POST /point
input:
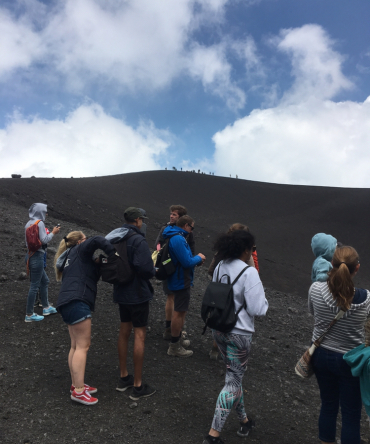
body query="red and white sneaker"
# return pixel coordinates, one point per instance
(83, 397)
(89, 389)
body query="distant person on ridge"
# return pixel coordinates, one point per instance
(179, 283)
(323, 247)
(35, 262)
(133, 300)
(176, 211)
(79, 274)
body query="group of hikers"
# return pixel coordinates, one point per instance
(340, 362)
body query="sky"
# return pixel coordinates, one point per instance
(266, 90)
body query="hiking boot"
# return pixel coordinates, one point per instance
(245, 428)
(49, 311)
(34, 317)
(124, 385)
(83, 397)
(176, 349)
(145, 392)
(167, 334)
(213, 354)
(212, 440)
(89, 389)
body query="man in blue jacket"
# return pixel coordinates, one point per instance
(133, 301)
(181, 281)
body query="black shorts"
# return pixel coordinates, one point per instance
(136, 313)
(166, 290)
(182, 299)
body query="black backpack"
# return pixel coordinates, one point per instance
(164, 265)
(117, 269)
(218, 307)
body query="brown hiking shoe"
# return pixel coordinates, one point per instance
(177, 349)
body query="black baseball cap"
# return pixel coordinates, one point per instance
(133, 213)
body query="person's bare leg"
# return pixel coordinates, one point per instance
(139, 347)
(177, 323)
(123, 337)
(169, 306)
(71, 353)
(82, 334)
(214, 433)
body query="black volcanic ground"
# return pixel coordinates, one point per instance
(35, 405)
(283, 217)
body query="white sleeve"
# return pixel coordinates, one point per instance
(254, 294)
(44, 238)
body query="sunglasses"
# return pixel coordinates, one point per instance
(191, 226)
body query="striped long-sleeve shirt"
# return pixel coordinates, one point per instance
(348, 332)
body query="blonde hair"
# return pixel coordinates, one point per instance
(68, 241)
(345, 261)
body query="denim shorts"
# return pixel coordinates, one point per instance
(74, 312)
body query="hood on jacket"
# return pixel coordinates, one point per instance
(323, 245)
(38, 211)
(172, 230)
(116, 235)
(61, 259)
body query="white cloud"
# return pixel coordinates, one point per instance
(88, 142)
(130, 44)
(306, 138)
(316, 66)
(19, 46)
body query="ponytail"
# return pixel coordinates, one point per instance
(345, 261)
(68, 241)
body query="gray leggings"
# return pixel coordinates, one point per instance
(235, 350)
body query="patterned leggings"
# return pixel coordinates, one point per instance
(234, 351)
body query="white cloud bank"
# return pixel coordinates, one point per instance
(127, 44)
(306, 138)
(88, 142)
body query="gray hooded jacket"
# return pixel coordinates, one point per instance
(38, 211)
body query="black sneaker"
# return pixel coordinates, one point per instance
(212, 440)
(37, 303)
(143, 393)
(124, 385)
(246, 427)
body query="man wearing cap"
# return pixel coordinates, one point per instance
(133, 299)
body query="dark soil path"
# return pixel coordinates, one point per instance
(35, 406)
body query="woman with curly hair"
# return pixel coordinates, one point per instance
(235, 250)
(79, 274)
(337, 385)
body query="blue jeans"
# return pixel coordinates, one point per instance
(39, 282)
(337, 387)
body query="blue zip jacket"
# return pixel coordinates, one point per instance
(323, 247)
(182, 258)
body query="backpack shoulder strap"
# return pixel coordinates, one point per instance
(237, 278)
(244, 305)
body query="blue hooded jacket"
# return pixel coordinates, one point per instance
(359, 361)
(182, 258)
(323, 247)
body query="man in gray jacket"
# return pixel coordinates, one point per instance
(133, 300)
